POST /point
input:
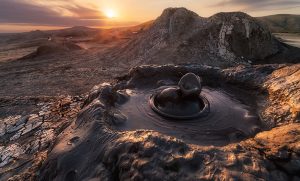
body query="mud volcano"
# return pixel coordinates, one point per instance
(203, 115)
(118, 136)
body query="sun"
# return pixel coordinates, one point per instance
(110, 13)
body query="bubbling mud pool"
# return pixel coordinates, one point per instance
(230, 119)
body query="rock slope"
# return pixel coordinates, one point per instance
(181, 36)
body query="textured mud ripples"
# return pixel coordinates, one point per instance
(229, 119)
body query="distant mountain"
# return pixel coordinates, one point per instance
(282, 23)
(76, 31)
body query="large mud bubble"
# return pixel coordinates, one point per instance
(105, 143)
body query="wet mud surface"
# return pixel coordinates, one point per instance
(228, 120)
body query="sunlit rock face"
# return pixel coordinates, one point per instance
(96, 147)
(224, 39)
(242, 36)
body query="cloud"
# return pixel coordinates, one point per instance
(27, 12)
(253, 5)
(84, 12)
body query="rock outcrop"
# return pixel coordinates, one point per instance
(283, 88)
(181, 36)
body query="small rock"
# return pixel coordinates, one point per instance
(5, 161)
(36, 125)
(10, 152)
(23, 120)
(119, 118)
(15, 128)
(16, 136)
(27, 129)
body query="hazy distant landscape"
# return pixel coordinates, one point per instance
(289, 38)
(282, 23)
(285, 27)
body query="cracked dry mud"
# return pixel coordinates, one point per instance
(25, 140)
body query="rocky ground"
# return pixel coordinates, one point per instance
(26, 140)
(47, 118)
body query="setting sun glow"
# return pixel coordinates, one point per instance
(110, 13)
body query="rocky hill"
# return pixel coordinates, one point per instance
(53, 48)
(282, 23)
(181, 36)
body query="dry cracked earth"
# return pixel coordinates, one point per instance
(60, 117)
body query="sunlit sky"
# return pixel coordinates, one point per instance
(26, 15)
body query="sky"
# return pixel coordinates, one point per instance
(27, 15)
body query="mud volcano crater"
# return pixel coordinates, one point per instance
(189, 105)
(118, 135)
